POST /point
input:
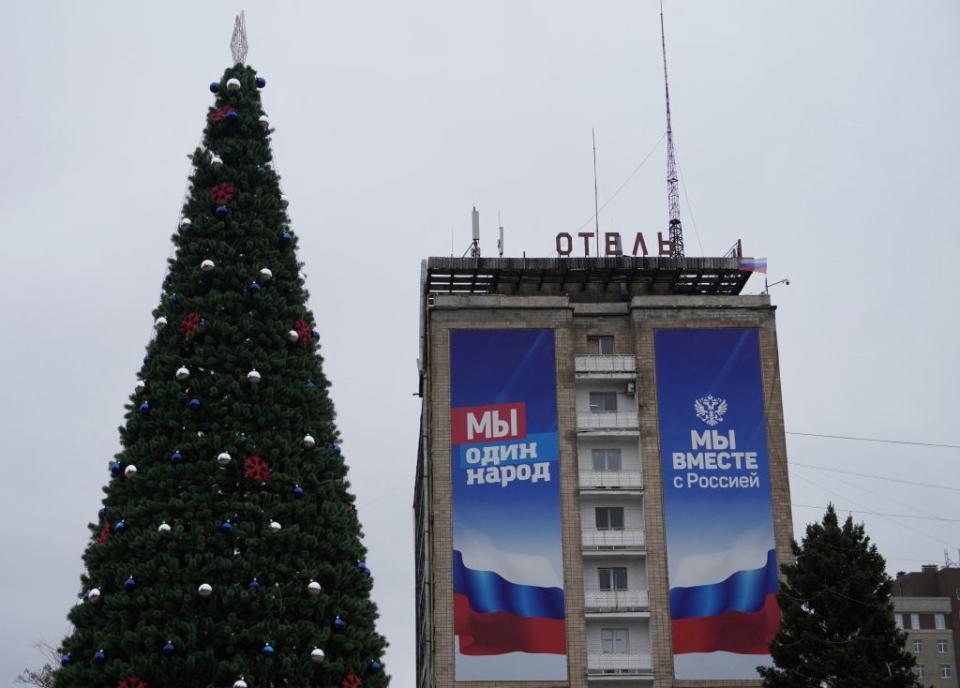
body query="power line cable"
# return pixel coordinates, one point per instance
(873, 476)
(880, 513)
(875, 439)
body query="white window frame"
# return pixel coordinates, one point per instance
(606, 394)
(597, 341)
(612, 578)
(946, 671)
(606, 454)
(898, 620)
(609, 510)
(616, 637)
(921, 673)
(914, 621)
(940, 622)
(917, 647)
(941, 646)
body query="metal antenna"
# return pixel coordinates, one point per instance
(596, 198)
(673, 189)
(238, 42)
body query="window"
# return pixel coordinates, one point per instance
(606, 460)
(603, 401)
(917, 647)
(946, 671)
(609, 517)
(898, 619)
(914, 621)
(920, 672)
(600, 344)
(613, 641)
(613, 577)
(940, 622)
(942, 647)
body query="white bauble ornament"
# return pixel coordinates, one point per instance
(183, 372)
(160, 323)
(215, 160)
(207, 265)
(274, 526)
(233, 84)
(264, 121)
(223, 458)
(309, 441)
(313, 587)
(140, 386)
(205, 590)
(292, 336)
(164, 527)
(93, 594)
(253, 377)
(185, 222)
(240, 683)
(317, 655)
(266, 274)
(130, 471)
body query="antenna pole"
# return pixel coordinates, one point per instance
(673, 189)
(596, 197)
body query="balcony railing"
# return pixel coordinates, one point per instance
(606, 366)
(611, 479)
(616, 601)
(613, 539)
(607, 421)
(598, 663)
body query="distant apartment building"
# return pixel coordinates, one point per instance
(926, 605)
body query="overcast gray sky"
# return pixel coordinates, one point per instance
(823, 134)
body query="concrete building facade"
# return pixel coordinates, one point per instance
(604, 313)
(926, 605)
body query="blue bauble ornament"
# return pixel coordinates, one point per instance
(375, 666)
(214, 86)
(66, 660)
(298, 491)
(172, 298)
(226, 527)
(169, 649)
(222, 210)
(102, 514)
(286, 237)
(254, 288)
(99, 657)
(309, 385)
(233, 115)
(119, 527)
(254, 585)
(176, 457)
(130, 583)
(261, 169)
(337, 450)
(146, 359)
(267, 650)
(115, 470)
(144, 408)
(195, 404)
(261, 82)
(316, 334)
(339, 624)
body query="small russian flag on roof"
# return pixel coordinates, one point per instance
(753, 265)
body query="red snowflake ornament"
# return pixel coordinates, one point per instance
(104, 532)
(222, 192)
(218, 114)
(190, 323)
(351, 680)
(131, 682)
(303, 330)
(256, 468)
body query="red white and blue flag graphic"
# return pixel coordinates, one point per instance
(721, 558)
(508, 598)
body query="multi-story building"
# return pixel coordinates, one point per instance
(601, 460)
(926, 605)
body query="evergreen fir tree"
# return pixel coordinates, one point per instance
(227, 552)
(837, 628)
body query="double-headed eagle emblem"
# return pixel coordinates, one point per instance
(710, 409)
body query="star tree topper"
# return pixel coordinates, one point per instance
(238, 43)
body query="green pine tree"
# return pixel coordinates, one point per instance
(230, 474)
(837, 628)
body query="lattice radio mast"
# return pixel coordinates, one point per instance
(673, 189)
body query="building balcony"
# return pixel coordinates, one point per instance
(606, 367)
(608, 423)
(611, 480)
(599, 664)
(616, 601)
(613, 539)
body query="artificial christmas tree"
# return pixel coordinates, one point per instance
(227, 552)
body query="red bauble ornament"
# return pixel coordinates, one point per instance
(257, 468)
(222, 193)
(190, 323)
(104, 532)
(303, 330)
(220, 113)
(131, 682)
(351, 680)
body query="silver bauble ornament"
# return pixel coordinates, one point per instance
(317, 655)
(160, 323)
(309, 441)
(207, 265)
(240, 683)
(93, 594)
(313, 587)
(223, 458)
(215, 160)
(275, 526)
(266, 274)
(130, 471)
(292, 336)
(183, 372)
(264, 121)
(140, 386)
(205, 590)
(164, 527)
(233, 84)
(253, 377)
(185, 222)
